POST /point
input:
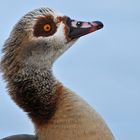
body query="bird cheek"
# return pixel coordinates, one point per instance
(66, 32)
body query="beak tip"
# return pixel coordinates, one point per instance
(99, 25)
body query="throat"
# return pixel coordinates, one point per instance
(35, 92)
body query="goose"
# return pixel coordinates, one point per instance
(35, 43)
(21, 137)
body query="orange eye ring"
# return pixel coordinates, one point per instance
(47, 27)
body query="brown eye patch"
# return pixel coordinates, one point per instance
(45, 26)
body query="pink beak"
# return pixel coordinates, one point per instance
(80, 28)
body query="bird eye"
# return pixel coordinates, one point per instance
(47, 27)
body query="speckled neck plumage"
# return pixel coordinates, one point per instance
(35, 93)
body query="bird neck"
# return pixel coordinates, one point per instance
(35, 92)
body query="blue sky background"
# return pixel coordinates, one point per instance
(103, 67)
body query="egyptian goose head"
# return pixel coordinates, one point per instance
(42, 35)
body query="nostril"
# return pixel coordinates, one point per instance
(79, 24)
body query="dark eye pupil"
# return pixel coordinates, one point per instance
(79, 24)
